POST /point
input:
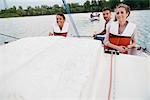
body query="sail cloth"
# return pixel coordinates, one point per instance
(58, 68)
(46, 68)
(130, 79)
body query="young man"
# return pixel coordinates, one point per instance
(107, 17)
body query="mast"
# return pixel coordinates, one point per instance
(71, 19)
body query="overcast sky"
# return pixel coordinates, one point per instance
(25, 3)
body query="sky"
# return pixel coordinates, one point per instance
(25, 3)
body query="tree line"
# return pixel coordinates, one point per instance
(88, 6)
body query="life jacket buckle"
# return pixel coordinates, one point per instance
(111, 51)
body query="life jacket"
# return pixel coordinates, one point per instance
(60, 34)
(122, 39)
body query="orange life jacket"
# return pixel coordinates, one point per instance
(119, 41)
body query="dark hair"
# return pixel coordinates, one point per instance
(126, 7)
(62, 15)
(106, 8)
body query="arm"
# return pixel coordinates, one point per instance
(106, 27)
(103, 29)
(119, 48)
(97, 33)
(134, 40)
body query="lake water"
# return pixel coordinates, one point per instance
(40, 25)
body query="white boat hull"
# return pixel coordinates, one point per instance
(94, 19)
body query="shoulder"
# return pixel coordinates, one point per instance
(114, 23)
(110, 22)
(66, 23)
(132, 25)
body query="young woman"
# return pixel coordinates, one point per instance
(121, 34)
(61, 27)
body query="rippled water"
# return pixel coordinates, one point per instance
(40, 25)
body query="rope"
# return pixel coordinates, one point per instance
(110, 76)
(85, 36)
(68, 12)
(145, 50)
(9, 36)
(114, 81)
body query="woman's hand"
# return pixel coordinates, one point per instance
(130, 46)
(51, 34)
(122, 49)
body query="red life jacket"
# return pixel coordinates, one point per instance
(119, 41)
(60, 34)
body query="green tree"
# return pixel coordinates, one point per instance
(113, 3)
(20, 11)
(100, 5)
(30, 11)
(130, 3)
(11, 10)
(56, 6)
(87, 6)
(94, 5)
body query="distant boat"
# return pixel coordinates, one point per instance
(94, 16)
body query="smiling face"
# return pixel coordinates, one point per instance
(60, 20)
(107, 15)
(121, 14)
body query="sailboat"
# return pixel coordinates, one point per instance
(59, 68)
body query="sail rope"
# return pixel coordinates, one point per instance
(112, 76)
(71, 19)
(9, 36)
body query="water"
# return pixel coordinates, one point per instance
(40, 25)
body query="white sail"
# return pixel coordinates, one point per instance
(57, 68)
